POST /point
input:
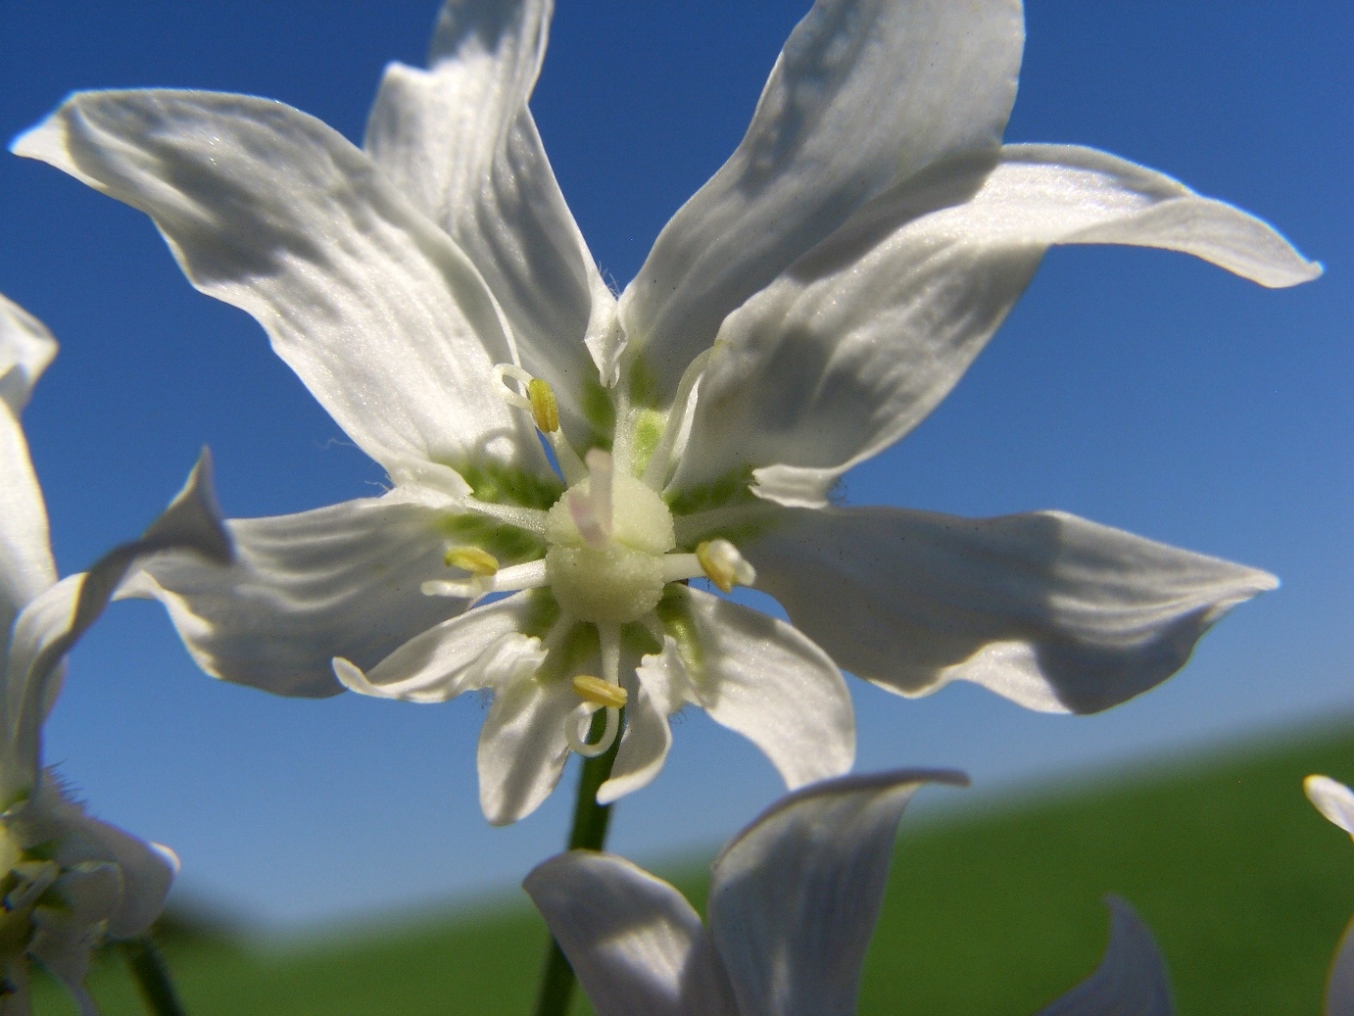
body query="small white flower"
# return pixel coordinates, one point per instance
(805, 309)
(793, 901)
(66, 879)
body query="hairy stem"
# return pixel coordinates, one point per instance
(152, 976)
(588, 833)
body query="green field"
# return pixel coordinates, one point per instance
(991, 913)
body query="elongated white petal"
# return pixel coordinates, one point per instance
(1131, 980)
(1340, 980)
(482, 648)
(1333, 799)
(338, 581)
(794, 897)
(49, 626)
(654, 695)
(459, 141)
(383, 318)
(522, 747)
(852, 347)
(865, 92)
(1054, 612)
(761, 677)
(632, 939)
(26, 566)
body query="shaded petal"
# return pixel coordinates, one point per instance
(147, 871)
(48, 627)
(523, 747)
(482, 648)
(853, 346)
(1054, 612)
(632, 939)
(1333, 799)
(655, 694)
(1131, 980)
(759, 676)
(338, 581)
(794, 897)
(26, 349)
(865, 92)
(459, 141)
(382, 317)
(1340, 980)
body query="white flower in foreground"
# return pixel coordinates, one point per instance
(805, 309)
(66, 879)
(793, 901)
(1336, 802)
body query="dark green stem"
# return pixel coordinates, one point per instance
(588, 833)
(152, 976)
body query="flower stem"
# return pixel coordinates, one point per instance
(152, 976)
(588, 833)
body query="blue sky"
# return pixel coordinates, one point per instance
(1137, 388)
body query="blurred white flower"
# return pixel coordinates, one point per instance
(805, 309)
(793, 902)
(1336, 802)
(66, 879)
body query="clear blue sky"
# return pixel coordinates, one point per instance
(1137, 388)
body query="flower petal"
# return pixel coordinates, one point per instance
(338, 581)
(655, 694)
(865, 92)
(383, 318)
(1131, 979)
(1333, 799)
(794, 897)
(760, 677)
(632, 939)
(483, 648)
(459, 141)
(523, 747)
(1340, 981)
(853, 346)
(1057, 613)
(26, 565)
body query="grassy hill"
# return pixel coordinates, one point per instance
(993, 912)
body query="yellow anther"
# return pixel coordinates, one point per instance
(599, 692)
(724, 566)
(472, 559)
(544, 408)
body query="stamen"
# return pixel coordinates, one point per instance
(472, 559)
(35, 878)
(656, 470)
(724, 566)
(583, 714)
(528, 575)
(467, 589)
(599, 692)
(503, 371)
(544, 408)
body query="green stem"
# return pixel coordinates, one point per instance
(152, 976)
(588, 833)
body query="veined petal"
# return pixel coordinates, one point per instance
(483, 648)
(1131, 979)
(1340, 980)
(1057, 613)
(794, 897)
(26, 566)
(632, 939)
(459, 141)
(655, 694)
(1333, 799)
(865, 92)
(760, 677)
(338, 581)
(523, 747)
(853, 346)
(382, 317)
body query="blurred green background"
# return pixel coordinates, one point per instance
(995, 909)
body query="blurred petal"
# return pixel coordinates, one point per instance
(634, 942)
(1340, 980)
(1131, 980)
(1333, 799)
(147, 873)
(761, 677)
(794, 897)
(459, 141)
(522, 747)
(853, 346)
(865, 92)
(1054, 612)
(338, 581)
(381, 316)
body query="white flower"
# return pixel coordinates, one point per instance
(805, 309)
(793, 901)
(66, 879)
(1336, 802)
